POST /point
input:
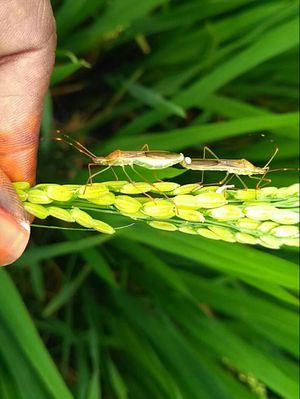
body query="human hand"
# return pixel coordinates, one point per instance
(27, 44)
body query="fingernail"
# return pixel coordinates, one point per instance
(14, 238)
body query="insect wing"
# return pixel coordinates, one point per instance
(163, 155)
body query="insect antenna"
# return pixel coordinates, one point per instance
(282, 169)
(74, 143)
(272, 157)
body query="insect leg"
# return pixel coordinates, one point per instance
(272, 157)
(115, 174)
(207, 149)
(145, 148)
(226, 179)
(267, 181)
(151, 184)
(261, 179)
(91, 175)
(242, 181)
(155, 176)
(90, 179)
(133, 183)
(210, 151)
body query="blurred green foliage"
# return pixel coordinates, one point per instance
(146, 313)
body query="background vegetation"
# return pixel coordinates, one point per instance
(146, 313)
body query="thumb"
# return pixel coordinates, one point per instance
(14, 225)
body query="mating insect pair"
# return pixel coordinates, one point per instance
(144, 158)
(164, 159)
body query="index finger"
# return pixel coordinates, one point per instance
(27, 43)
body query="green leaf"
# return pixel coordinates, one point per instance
(71, 14)
(117, 381)
(94, 387)
(21, 341)
(118, 16)
(62, 72)
(154, 99)
(182, 138)
(62, 248)
(67, 291)
(229, 258)
(270, 44)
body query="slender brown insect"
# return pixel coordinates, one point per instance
(233, 167)
(144, 158)
(156, 160)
